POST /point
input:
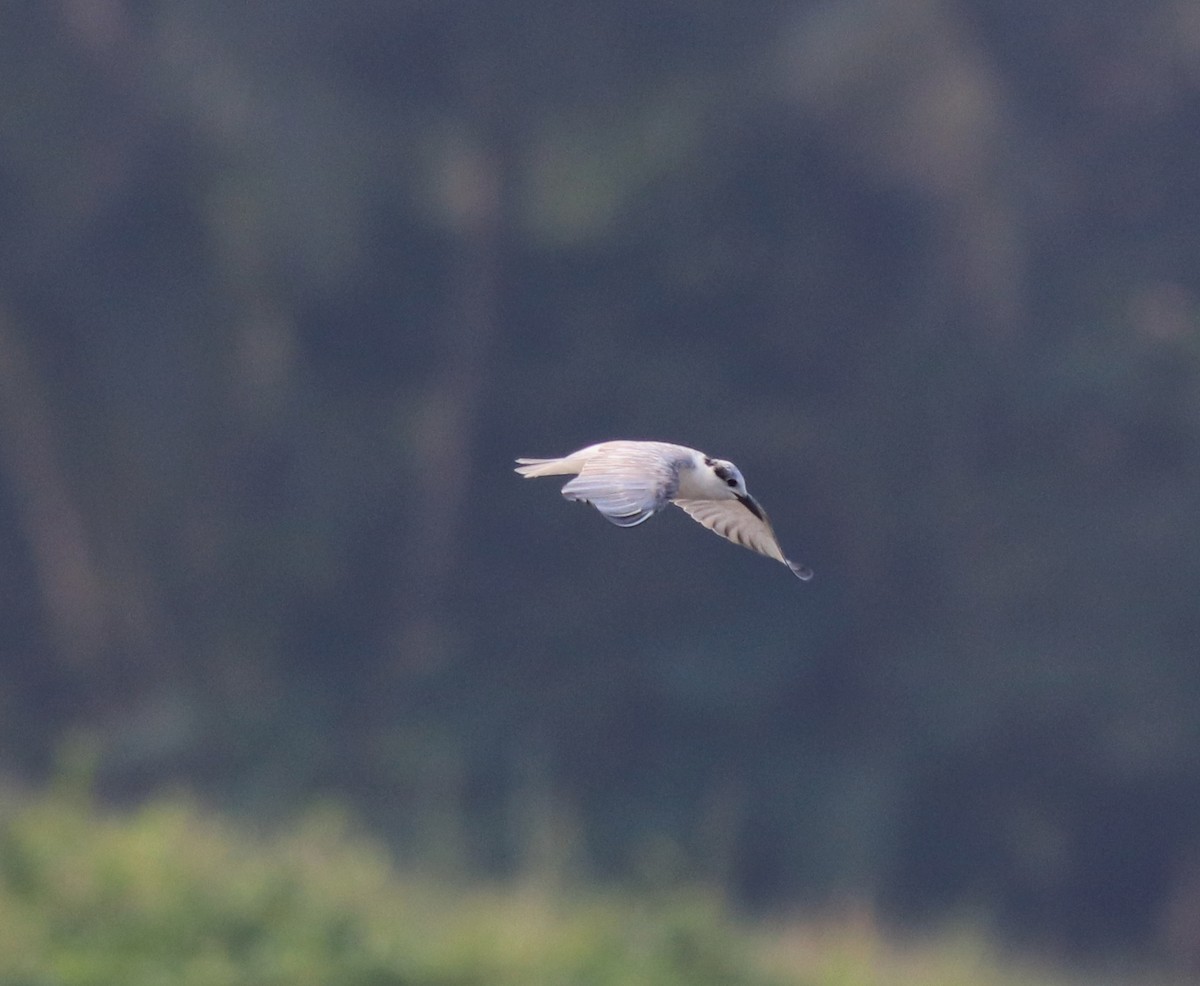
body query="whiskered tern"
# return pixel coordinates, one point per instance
(629, 482)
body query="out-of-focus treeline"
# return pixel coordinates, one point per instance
(285, 286)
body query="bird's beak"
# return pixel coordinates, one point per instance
(751, 504)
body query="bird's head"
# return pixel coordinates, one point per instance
(725, 482)
(729, 476)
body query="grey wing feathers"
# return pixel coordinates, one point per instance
(735, 522)
(628, 482)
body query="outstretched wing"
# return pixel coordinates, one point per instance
(628, 482)
(744, 523)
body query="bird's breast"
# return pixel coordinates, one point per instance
(699, 483)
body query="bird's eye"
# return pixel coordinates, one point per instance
(731, 482)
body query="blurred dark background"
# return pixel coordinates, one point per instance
(285, 287)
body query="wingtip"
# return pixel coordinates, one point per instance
(802, 572)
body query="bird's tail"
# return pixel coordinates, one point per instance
(532, 468)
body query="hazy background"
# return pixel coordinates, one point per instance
(285, 287)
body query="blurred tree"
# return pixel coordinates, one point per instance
(285, 288)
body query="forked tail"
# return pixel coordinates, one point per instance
(533, 468)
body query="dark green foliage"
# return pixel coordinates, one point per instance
(284, 287)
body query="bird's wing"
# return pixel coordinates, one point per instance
(628, 482)
(743, 523)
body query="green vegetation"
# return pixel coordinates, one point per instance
(172, 893)
(286, 286)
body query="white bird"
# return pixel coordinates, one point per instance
(629, 482)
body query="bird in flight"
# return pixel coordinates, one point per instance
(629, 482)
